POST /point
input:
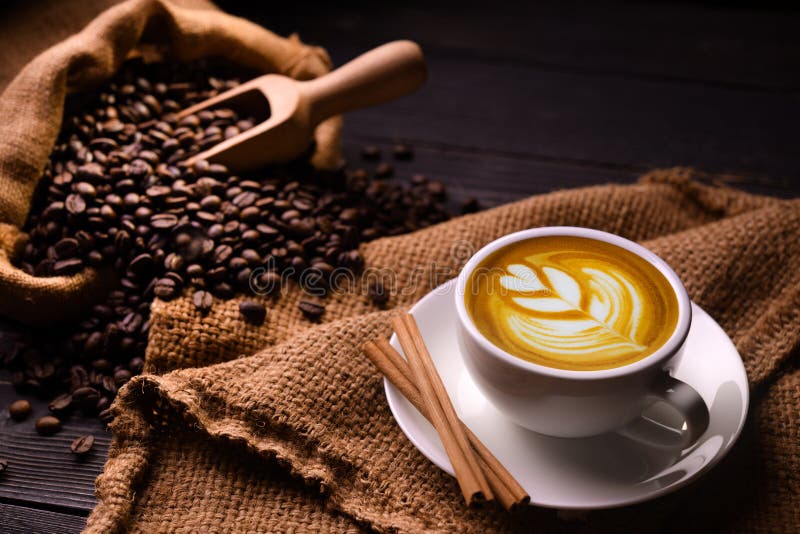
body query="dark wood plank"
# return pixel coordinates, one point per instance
(592, 118)
(24, 520)
(494, 179)
(597, 121)
(754, 48)
(43, 470)
(497, 179)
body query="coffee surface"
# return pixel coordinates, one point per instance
(571, 303)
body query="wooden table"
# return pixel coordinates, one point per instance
(519, 102)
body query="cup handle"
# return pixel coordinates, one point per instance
(682, 398)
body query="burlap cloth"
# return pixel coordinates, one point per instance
(285, 427)
(299, 435)
(32, 104)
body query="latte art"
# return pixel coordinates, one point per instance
(571, 303)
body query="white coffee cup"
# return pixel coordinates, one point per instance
(568, 403)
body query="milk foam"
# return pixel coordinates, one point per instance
(573, 308)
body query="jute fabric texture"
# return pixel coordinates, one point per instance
(285, 426)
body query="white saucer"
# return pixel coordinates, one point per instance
(589, 473)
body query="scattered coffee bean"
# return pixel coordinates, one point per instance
(470, 205)
(86, 398)
(202, 301)
(3, 465)
(81, 445)
(378, 293)
(19, 410)
(370, 152)
(106, 416)
(253, 312)
(48, 425)
(61, 404)
(402, 151)
(312, 310)
(436, 189)
(384, 170)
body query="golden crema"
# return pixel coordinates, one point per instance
(571, 303)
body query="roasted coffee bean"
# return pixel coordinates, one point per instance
(61, 404)
(158, 192)
(109, 386)
(418, 179)
(253, 312)
(378, 294)
(105, 416)
(101, 364)
(370, 152)
(85, 189)
(48, 425)
(165, 289)
(436, 189)
(3, 465)
(81, 445)
(19, 410)
(131, 323)
(115, 194)
(163, 221)
(470, 205)
(135, 365)
(402, 151)
(67, 267)
(102, 404)
(269, 283)
(43, 371)
(203, 300)
(78, 377)
(122, 376)
(311, 310)
(211, 203)
(75, 204)
(66, 248)
(384, 170)
(85, 397)
(142, 265)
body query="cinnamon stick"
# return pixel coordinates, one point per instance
(394, 367)
(447, 405)
(472, 482)
(391, 364)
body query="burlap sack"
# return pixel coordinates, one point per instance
(31, 108)
(298, 436)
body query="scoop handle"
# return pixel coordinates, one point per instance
(382, 74)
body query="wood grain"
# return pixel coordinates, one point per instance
(594, 121)
(23, 520)
(43, 470)
(747, 48)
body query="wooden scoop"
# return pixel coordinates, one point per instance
(291, 109)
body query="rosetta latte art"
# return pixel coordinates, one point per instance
(573, 307)
(552, 319)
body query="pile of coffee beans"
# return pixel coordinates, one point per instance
(117, 192)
